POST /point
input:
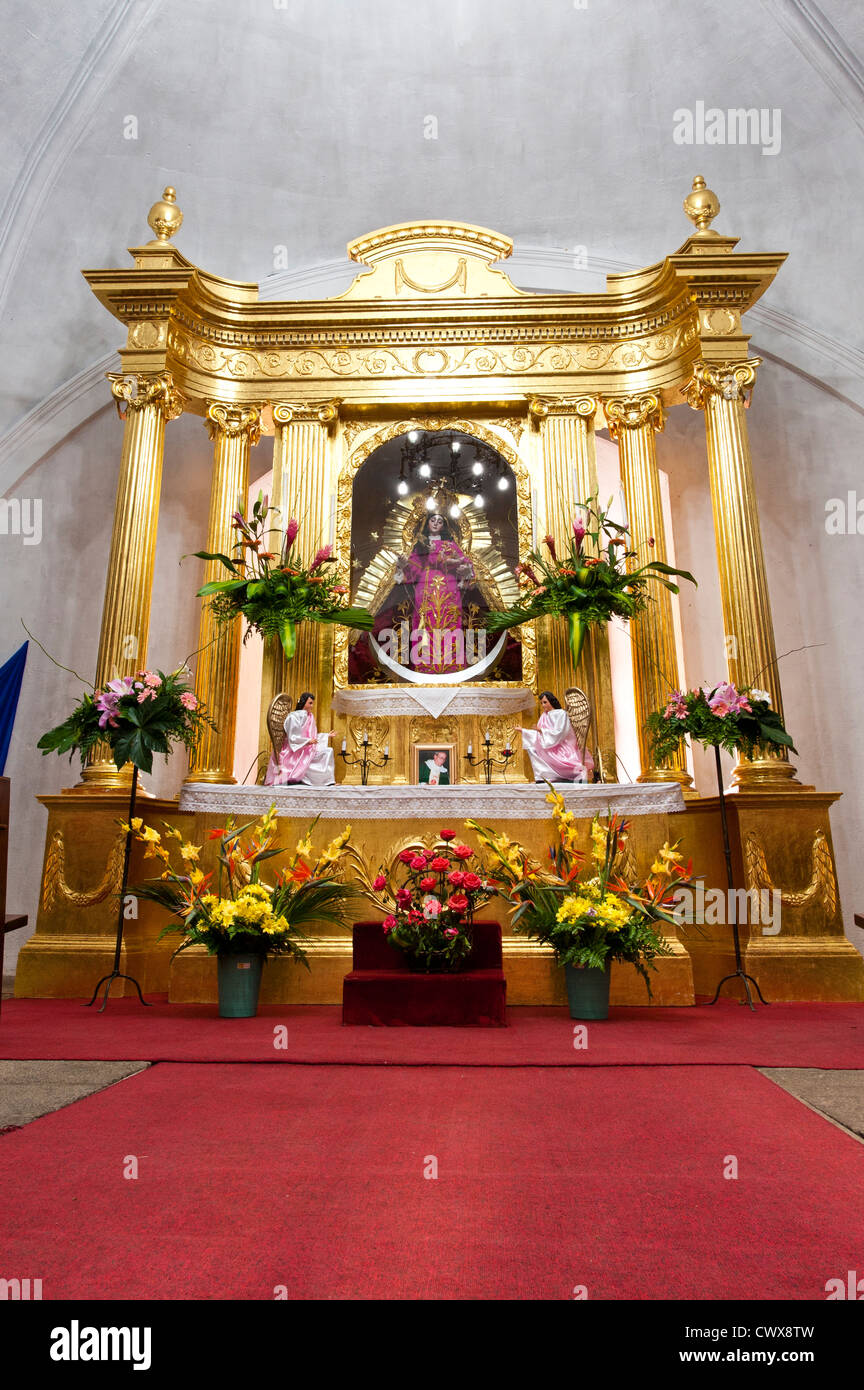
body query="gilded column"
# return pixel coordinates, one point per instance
(569, 477)
(301, 489)
(233, 429)
(144, 403)
(633, 422)
(722, 390)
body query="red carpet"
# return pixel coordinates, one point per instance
(251, 1177)
(794, 1035)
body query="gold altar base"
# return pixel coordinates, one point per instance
(779, 840)
(532, 977)
(73, 944)
(781, 843)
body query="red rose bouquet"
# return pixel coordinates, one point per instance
(430, 898)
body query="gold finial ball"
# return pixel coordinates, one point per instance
(702, 206)
(165, 217)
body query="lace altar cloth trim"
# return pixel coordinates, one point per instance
(519, 801)
(433, 700)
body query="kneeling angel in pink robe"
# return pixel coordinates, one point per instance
(554, 751)
(305, 756)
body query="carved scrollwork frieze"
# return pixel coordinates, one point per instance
(520, 354)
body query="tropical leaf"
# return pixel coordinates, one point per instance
(216, 555)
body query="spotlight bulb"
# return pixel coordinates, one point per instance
(431, 504)
(424, 470)
(479, 500)
(455, 510)
(477, 468)
(503, 484)
(402, 488)
(413, 435)
(455, 446)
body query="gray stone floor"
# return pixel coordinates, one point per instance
(31, 1089)
(839, 1095)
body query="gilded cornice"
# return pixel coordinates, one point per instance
(414, 320)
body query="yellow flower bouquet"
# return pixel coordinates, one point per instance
(243, 915)
(581, 905)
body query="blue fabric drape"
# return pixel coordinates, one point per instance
(11, 676)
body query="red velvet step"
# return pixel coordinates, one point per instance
(382, 991)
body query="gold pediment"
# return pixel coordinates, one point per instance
(431, 260)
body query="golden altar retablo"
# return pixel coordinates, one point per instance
(432, 337)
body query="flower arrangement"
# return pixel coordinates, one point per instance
(587, 911)
(719, 716)
(272, 588)
(590, 584)
(430, 900)
(244, 916)
(136, 716)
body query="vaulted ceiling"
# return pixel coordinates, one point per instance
(289, 127)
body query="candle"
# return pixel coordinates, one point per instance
(507, 750)
(344, 745)
(470, 750)
(386, 750)
(365, 738)
(487, 738)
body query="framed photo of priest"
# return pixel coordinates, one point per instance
(434, 764)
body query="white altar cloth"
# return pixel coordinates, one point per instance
(500, 801)
(434, 700)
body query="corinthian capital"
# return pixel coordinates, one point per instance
(135, 390)
(233, 420)
(633, 413)
(733, 381)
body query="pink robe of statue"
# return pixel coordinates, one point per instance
(437, 617)
(305, 756)
(554, 752)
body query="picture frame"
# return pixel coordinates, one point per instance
(424, 753)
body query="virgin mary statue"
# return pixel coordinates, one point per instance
(438, 571)
(429, 584)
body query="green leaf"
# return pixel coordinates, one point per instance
(216, 555)
(221, 586)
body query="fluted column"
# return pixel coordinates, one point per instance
(633, 422)
(301, 489)
(233, 429)
(144, 403)
(569, 463)
(723, 390)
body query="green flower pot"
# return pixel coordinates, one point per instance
(239, 984)
(587, 992)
